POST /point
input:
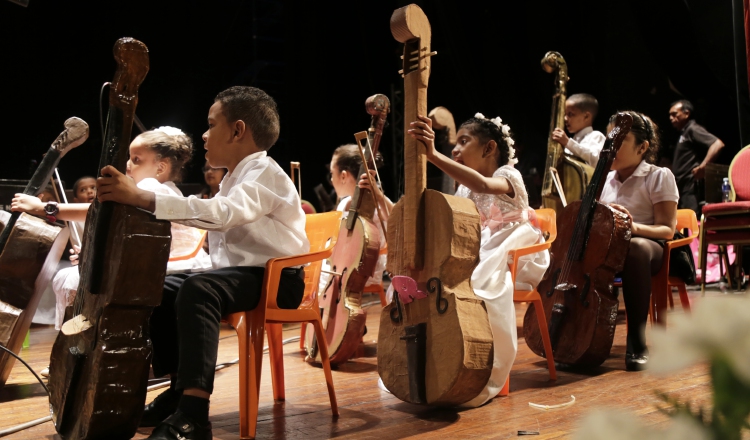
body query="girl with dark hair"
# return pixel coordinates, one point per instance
(482, 163)
(648, 195)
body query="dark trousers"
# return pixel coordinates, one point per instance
(185, 327)
(643, 261)
(691, 198)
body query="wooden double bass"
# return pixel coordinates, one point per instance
(100, 360)
(573, 172)
(354, 257)
(577, 296)
(437, 350)
(30, 249)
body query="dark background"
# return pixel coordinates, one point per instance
(321, 60)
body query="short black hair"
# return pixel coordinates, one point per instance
(256, 109)
(585, 103)
(78, 183)
(686, 105)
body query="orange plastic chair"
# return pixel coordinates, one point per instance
(547, 223)
(662, 283)
(250, 324)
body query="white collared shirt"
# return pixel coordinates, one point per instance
(586, 144)
(255, 216)
(647, 186)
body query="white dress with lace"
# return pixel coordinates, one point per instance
(505, 226)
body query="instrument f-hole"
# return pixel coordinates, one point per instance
(435, 285)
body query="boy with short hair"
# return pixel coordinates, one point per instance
(255, 216)
(586, 143)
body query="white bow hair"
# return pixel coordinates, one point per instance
(171, 131)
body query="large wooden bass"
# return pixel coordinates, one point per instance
(436, 350)
(100, 360)
(30, 249)
(577, 296)
(354, 258)
(574, 173)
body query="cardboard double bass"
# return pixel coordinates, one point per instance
(100, 360)
(30, 249)
(437, 350)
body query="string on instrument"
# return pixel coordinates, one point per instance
(71, 225)
(369, 177)
(101, 107)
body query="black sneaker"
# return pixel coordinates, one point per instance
(179, 426)
(162, 407)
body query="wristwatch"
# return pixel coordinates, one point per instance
(51, 210)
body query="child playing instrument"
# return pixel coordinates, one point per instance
(586, 143)
(345, 165)
(648, 195)
(255, 216)
(157, 158)
(482, 163)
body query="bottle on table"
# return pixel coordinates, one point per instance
(726, 191)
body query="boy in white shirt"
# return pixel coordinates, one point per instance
(586, 143)
(255, 216)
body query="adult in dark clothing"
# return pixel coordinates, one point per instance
(694, 150)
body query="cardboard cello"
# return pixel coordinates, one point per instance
(435, 344)
(591, 248)
(354, 258)
(30, 249)
(100, 360)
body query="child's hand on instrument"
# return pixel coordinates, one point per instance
(27, 203)
(74, 255)
(558, 135)
(114, 186)
(364, 183)
(421, 130)
(624, 211)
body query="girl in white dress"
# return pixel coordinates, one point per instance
(482, 163)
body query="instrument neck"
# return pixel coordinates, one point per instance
(588, 203)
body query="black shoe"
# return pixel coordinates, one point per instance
(636, 362)
(162, 407)
(179, 427)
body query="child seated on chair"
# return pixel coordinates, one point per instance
(482, 163)
(255, 216)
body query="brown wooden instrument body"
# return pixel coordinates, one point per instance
(434, 239)
(587, 338)
(98, 374)
(575, 174)
(590, 249)
(30, 249)
(355, 257)
(27, 266)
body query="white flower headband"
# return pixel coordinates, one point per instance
(171, 131)
(505, 129)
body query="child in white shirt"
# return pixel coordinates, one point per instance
(586, 143)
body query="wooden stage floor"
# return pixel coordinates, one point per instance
(369, 413)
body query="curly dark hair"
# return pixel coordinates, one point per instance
(254, 107)
(486, 130)
(177, 149)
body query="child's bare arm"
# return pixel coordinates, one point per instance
(72, 212)
(476, 182)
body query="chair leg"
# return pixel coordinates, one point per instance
(702, 257)
(684, 299)
(670, 300)
(302, 335)
(381, 292)
(506, 388)
(323, 347)
(276, 355)
(542, 320)
(255, 363)
(243, 340)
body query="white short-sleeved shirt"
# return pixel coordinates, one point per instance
(647, 186)
(586, 144)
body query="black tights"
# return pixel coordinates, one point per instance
(643, 261)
